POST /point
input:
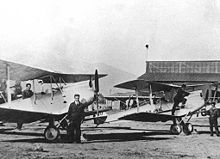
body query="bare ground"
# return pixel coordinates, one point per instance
(115, 140)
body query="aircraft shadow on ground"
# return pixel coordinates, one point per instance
(93, 138)
(98, 138)
(122, 137)
(204, 132)
(158, 132)
(144, 134)
(12, 131)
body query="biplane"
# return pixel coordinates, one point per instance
(49, 106)
(197, 102)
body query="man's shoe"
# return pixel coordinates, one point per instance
(211, 134)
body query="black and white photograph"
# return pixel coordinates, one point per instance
(109, 79)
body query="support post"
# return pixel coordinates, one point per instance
(136, 94)
(151, 100)
(8, 83)
(34, 92)
(51, 87)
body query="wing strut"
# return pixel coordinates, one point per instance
(151, 95)
(51, 87)
(97, 89)
(8, 83)
(34, 90)
(136, 94)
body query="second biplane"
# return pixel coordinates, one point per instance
(197, 102)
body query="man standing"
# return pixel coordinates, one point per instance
(180, 98)
(76, 115)
(213, 119)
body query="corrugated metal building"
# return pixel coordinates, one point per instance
(182, 71)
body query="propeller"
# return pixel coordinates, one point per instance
(96, 81)
(97, 89)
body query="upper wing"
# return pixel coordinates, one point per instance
(23, 73)
(140, 84)
(134, 84)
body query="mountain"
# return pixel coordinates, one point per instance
(115, 76)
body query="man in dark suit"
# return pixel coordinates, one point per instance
(179, 98)
(76, 115)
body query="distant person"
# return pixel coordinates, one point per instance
(129, 102)
(179, 98)
(27, 93)
(18, 89)
(134, 104)
(43, 91)
(3, 87)
(155, 99)
(76, 115)
(163, 97)
(213, 119)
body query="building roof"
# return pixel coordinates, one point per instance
(181, 77)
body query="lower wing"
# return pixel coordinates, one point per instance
(149, 117)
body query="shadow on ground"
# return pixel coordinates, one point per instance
(91, 138)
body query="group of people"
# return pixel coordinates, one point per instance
(213, 112)
(17, 90)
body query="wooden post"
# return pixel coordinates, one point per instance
(8, 83)
(34, 92)
(136, 94)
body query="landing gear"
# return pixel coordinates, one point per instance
(190, 127)
(187, 128)
(175, 129)
(51, 133)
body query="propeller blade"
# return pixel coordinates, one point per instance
(96, 81)
(90, 82)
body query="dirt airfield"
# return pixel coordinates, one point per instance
(125, 139)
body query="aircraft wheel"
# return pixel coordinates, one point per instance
(203, 112)
(175, 129)
(51, 133)
(190, 127)
(186, 130)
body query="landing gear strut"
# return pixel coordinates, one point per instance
(51, 133)
(187, 128)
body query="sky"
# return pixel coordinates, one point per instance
(113, 32)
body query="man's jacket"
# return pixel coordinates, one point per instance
(76, 111)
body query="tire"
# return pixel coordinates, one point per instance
(186, 130)
(175, 129)
(203, 112)
(51, 133)
(190, 127)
